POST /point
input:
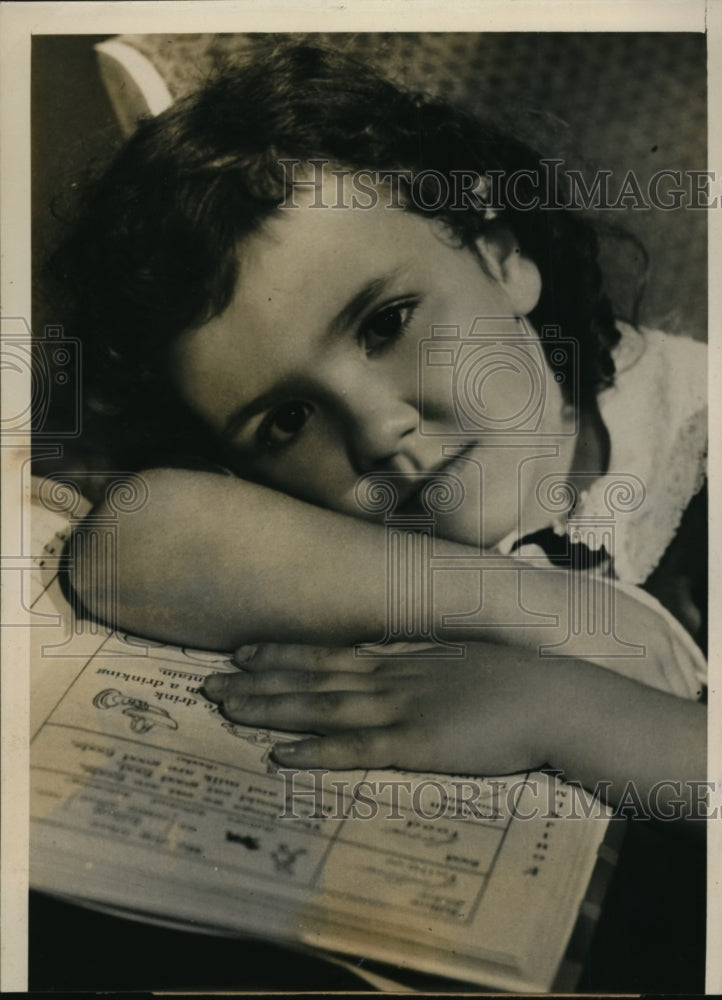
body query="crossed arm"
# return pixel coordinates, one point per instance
(495, 711)
(217, 562)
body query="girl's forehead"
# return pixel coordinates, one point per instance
(306, 266)
(341, 236)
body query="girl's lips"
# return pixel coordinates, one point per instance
(410, 495)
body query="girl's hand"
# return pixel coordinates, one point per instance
(486, 713)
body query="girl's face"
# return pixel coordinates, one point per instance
(318, 372)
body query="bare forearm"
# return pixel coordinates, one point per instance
(638, 747)
(216, 561)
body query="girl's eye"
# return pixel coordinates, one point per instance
(386, 326)
(283, 424)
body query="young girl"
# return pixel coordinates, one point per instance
(258, 277)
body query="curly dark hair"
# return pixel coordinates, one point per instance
(154, 252)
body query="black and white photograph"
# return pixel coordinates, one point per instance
(356, 570)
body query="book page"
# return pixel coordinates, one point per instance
(145, 798)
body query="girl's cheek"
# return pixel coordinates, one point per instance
(438, 391)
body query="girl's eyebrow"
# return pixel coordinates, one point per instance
(347, 317)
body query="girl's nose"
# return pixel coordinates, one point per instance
(383, 433)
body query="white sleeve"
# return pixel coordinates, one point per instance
(673, 662)
(669, 659)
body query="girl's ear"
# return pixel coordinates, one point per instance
(517, 274)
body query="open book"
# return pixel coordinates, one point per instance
(145, 799)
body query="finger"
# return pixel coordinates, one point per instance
(320, 713)
(369, 747)
(218, 687)
(287, 656)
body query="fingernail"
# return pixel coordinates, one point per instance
(244, 653)
(284, 749)
(215, 685)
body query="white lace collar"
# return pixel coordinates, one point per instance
(656, 415)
